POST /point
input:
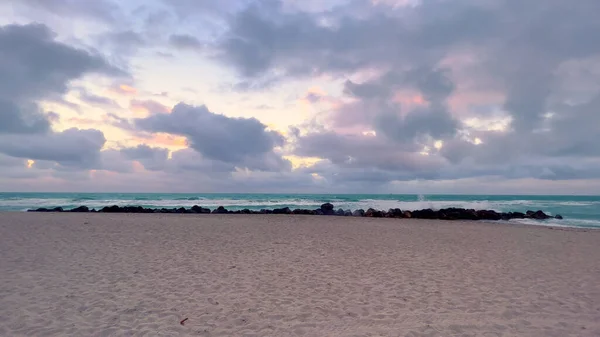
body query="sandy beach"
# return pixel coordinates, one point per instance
(232, 275)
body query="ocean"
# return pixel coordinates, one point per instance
(578, 211)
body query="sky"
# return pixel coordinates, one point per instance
(290, 96)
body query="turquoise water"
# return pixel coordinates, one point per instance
(579, 211)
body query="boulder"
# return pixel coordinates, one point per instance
(407, 214)
(132, 209)
(373, 213)
(339, 212)
(358, 212)
(111, 209)
(347, 212)
(220, 210)
(303, 211)
(319, 212)
(517, 215)
(558, 216)
(454, 213)
(285, 210)
(327, 207)
(489, 215)
(539, 215)
(80, 209)
(200, 210)
(394, 213)
(427, 213)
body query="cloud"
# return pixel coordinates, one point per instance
(94, 100)
(26, 118)
(149, 106)
(408, 49)
(184, 41)
(101, 10)
(33, 66)
(241, 141)
(404, 102)
(72, 147)
(152, 158)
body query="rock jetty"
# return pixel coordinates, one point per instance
(326, 209)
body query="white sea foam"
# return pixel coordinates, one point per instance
(560, 223)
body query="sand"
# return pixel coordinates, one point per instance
(232, 275)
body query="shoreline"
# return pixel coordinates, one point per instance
(275, 275)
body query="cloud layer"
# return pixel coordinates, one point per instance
(398, 92)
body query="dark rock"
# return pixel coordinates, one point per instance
(358, 212)
(220, 210)
(285, 210)
(339, 212)
(133, 209)
(327, 207)
(200, 210)
(394, 213)
(111, 209)
(303, 211)
(58, 209)
(347, 212)
(80, 209)
(488, 215)
(319, 212)
(517, 215)
(407, 214)
(373, 213)
(425, 214)
(458, 214)
(558, 216)
(180, 210)
(539, 215)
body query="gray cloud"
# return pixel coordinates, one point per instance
(243, 141)
(184, 41)
(434, 121)
(538, 58)
(26, 118)
(34, 66)
(507, 52)
(98, 10)
(93, 99)
(152, 158)
(72, 147)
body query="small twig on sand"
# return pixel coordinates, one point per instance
(183, 321)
